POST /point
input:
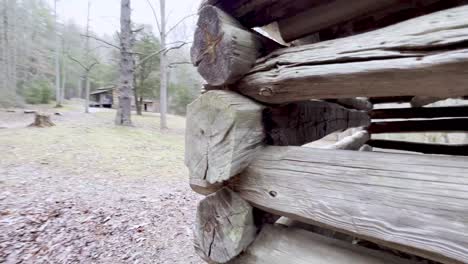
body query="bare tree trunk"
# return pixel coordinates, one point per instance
(163, 67)
(58, 95)
(86, 96)
(5, 49)
(123, 116)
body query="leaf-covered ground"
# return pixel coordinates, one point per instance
(86, 191)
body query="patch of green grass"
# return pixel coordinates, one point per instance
(99, 147)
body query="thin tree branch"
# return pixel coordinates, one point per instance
(155, 15)
(175, 47)
(178, 23)
(165, 51)
(101, 40)
(77, 61)
(171, 65)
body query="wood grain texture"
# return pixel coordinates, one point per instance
(326, 15)
(409, 126)
(223, 133)
(425, 56)
(442, 149)
(354, 103)
(223, 50)
(412, 203)
(353, 142)
(255, 13)
(224, 226)
(280, 245)
(300, 123)
(423, 112)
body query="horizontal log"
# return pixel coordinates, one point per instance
(353, 142)
(424, 56)
(224, 131)
(428, 112)
(280, 245)
(437, 125)
(255, 13)
(413, 203)
(326, 15)
(224, 226)
(354, 103)
(426, 148)
(296, 124)
(223, 50)
(420, 101)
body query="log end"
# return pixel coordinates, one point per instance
(222, 50)
(224, 226)
(223, 132)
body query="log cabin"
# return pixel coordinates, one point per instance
(283, 75)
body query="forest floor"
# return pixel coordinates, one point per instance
(86, 191)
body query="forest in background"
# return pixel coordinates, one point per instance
(28, 48)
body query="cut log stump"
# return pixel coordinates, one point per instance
(224, 226)
(42, 120)
(223, 50)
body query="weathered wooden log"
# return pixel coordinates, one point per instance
(428, 112)
(353, 142)
(354, 103)
(413, 203)
(255, 13)
(326, 15)
(224, 131)
(420, 101)
(224, 226)
(223, 50)
(424, 56)
(460, 150)
(296, 124)
(280, 245)
(437, 125)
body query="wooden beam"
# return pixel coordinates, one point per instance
(296, 124)
(224, 226)
(279, 245)
(255, 13)
(428, 112)
(420, 101)
(354, 103)
(460, 150)
(413, 203)
(326, 15)
(223, 50)
(437, 125)
(353, 142)
(225, 130)
(424, 56)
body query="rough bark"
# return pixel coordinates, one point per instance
(58, 97)
(123, 116)
(423, 55)
(412, 203)
(224, 226)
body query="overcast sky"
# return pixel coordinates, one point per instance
(105, 13)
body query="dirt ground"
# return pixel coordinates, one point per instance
(86, 191)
